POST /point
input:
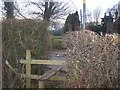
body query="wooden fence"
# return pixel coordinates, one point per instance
(49, 75)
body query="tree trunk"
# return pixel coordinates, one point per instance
(9, 7)
(46, 12)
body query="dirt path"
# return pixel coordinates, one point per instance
(58, 55)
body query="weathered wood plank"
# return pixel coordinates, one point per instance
(8, 64)
(30, 76)
(46, 76)
(49, 74)
(1, 55)
(58, 78)
(28, 69)
(41, 85)
(48, 62)
(53, 78)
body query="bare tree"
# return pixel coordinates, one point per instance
(51, 10)
(18, 12)
(89, 16)
(9, 7)
(96, 14)
(115, 11)
(12, 10)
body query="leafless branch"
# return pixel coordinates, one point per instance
(51, 10)
(19, 12)
(38, 14)
(38, 5)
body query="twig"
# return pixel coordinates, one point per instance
(20, 12)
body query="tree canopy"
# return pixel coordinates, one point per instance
(50, 10)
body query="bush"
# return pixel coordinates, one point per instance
(92, 60)
(19, 36)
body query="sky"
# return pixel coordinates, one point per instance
(92, 4)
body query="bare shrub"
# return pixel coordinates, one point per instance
(92, 60)
(19, 36)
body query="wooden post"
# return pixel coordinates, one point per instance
(41, 84)
(1, 55)
(28, 69)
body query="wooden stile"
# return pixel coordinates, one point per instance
(49, 75)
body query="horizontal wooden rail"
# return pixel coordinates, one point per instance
(36, 77)
(48, 62)
(55, 78)
(49, 74)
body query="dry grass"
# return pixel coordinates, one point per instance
(92, 60)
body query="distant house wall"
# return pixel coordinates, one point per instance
(110, 27)
(116, 27)
(113, 27)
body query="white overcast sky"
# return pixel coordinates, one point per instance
(90, 4)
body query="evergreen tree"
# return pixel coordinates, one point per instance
(72, 22)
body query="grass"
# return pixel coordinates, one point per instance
(57, 37)
(57, 42)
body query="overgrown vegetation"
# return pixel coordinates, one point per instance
(92, 60)
(19, 36)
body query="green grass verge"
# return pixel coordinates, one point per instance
(57, 37)
(57, 42)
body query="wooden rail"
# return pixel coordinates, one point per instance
(37, 77)
(43, 77)
(48, 62)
